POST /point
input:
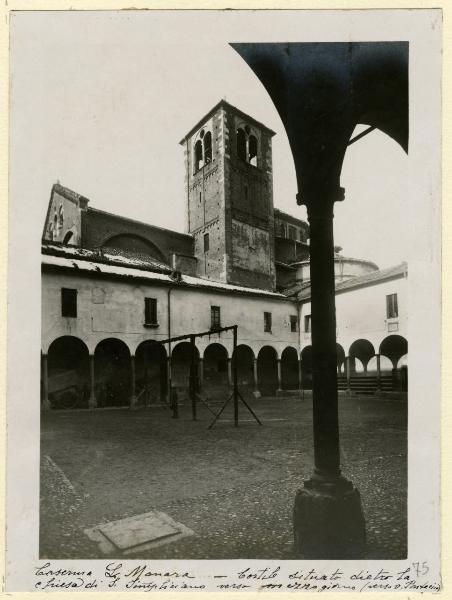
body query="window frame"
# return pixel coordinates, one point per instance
(392, 306)
(307, 323)
(215, 317)
(206, 238)
(293, 323)
(150, 312)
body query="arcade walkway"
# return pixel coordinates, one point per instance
(233, 487)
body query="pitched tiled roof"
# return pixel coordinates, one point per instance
(87, 260)
(372, 278)
(107, 256)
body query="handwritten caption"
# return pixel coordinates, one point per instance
(142, 577)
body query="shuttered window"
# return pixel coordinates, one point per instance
(150, 311)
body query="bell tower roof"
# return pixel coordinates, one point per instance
(229, 107)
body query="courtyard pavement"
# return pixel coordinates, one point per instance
(234, 487)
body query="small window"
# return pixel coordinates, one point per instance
(293, 322)
(307, 323)
(207, 148)
(68, 302)
(206, 242)
(198, 156)
(150, 311)
(268, 322)
(247, 146)
(252, 148)
(215, 319)
(392, 310)
(241, 144)
(67, 237)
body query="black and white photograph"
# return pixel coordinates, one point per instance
(224, 300)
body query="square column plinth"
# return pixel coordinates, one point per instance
(329, 521)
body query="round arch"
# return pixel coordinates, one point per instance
(363, 350)
(215, 369)
(134, 243)
(112, 372)
(68, 376)
(267, 370)
(289, 368)
(394, 347)
(245, 366)
(181, 357)
(151, 373)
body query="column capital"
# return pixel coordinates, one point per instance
(319, 200)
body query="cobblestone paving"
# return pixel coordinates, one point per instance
(234, 487)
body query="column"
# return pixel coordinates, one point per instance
(229, 372)
(168, 379)
(278, 362)
(378, 372)
(256, 392)
(201, 373)
(45, 383)
(133, 397)
(323, 335)
(347, 372)
(300, 375)
(328, 517)
(92, 403)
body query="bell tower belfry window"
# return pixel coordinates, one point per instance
(247, 144)
(202, 150)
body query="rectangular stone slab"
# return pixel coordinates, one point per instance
(138, 530)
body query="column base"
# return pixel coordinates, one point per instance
(46, 405)
(92, 402)
(133, 403)
(257, 394)
(329, 521)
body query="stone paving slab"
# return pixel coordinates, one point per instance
(137, 534)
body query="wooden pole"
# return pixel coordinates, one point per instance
(234, 374)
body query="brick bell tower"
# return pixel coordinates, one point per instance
(229, 187)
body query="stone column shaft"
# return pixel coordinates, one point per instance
(279, 375)
(45, 383)
(201, 372)
(92, 392)
(323, 335)
(133, 397)
(378, 372)
(347, 371)
(300, 375)
(255, 380)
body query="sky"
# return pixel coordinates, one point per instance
(100, 101)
